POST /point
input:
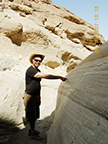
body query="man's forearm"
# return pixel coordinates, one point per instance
(53, 77)
(49, 76)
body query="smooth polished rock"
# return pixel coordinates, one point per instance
(81, 114)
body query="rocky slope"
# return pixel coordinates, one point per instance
(81, 114)
(44, 26)
(28, 26)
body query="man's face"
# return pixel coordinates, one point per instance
(36, 62)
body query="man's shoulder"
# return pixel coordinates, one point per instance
(32, 69)
(29, 68)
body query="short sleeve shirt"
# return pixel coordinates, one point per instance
(32, 84)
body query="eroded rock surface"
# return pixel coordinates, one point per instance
(81, 114)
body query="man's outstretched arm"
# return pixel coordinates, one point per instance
(49, 76)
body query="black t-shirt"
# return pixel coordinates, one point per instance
(32, 84)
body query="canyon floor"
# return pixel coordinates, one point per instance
(21, 136)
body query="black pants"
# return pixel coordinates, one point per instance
(32, 109)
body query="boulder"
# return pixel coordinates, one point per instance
(11, 103)
(81, 114)
(10, 27)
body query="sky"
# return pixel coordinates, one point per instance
(85, 9)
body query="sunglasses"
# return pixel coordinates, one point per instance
(38, 60)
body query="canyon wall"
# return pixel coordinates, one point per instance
(81, 114)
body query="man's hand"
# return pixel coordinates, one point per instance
(63, 78)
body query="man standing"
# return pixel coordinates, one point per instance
(32, 97)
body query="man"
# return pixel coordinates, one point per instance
(32, 93)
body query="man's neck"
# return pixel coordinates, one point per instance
(34, 67)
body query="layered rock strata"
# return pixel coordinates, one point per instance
(81, 114)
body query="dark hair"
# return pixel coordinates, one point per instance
(37, 56)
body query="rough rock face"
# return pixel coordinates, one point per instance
(81, 114)
(47, 27)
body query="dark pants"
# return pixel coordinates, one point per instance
(32, 104)
(32, 109)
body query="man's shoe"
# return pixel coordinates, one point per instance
(35, 132)
(36, 137)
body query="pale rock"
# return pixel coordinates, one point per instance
(10, 27)
(63, 35)
(5, 0)
(77, 27)
(70, 60)
(27, 3)
(13, 30)
(11, 103)
(18, 1)
(2, 6)
(81, 114)
(36, 1)
(22, 8)
(49, 87)
(35, 5)
(38, 35)
(6, 62)
(22, 14)
(37, 19)
(90, 47)
(1, 9)
(60, 32)
(72, 64)
(68, 55)
(76, 40)
(5, 45)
